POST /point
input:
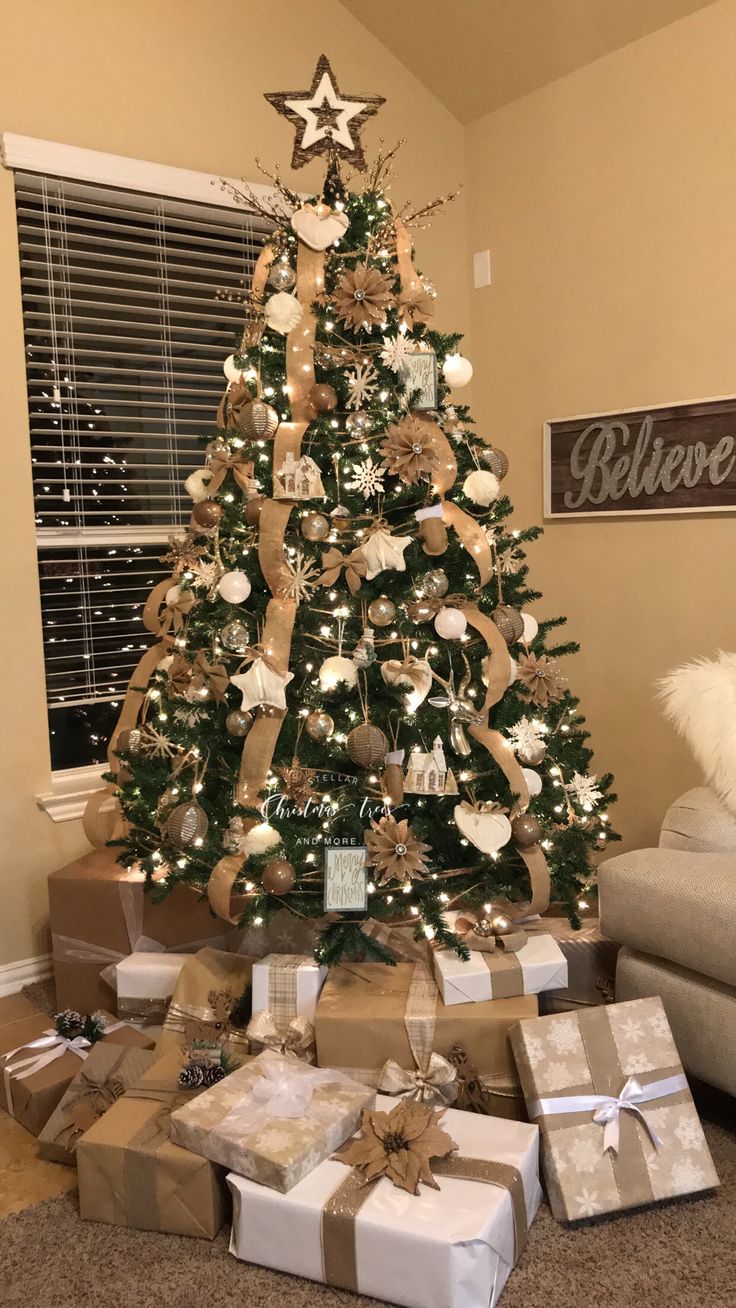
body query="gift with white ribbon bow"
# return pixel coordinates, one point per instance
(606, 1109)
(436, 1084)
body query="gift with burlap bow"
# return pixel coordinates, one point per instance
(107, 1073)
(487, 934)
(333, 563)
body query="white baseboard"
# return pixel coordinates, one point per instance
(13, 976)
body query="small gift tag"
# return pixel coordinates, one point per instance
(346, 882)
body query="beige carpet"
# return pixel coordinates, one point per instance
(679, 1255)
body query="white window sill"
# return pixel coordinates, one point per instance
(70, 791)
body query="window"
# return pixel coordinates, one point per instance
(130, 305)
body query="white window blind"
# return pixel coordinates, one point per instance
(127, 321)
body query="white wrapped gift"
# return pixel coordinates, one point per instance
(539, 965)
(145, 984)
(449, 1248)
(284, 992)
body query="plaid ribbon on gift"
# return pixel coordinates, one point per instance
(282, 985)
(419, 1017)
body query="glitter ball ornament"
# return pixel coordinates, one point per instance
(207, 513)
(234, 587)
(128, 741)
(509, 622)
(336, 671)
(534, 755)
(281, 276)
(319, 725)
(258, 421)
(238, 722)
(234, 636)
(381, 611)
(434, 584)
(525, 830)
(322, 397)
(421, 611)
(495, 460)
(315, 526)
(253, 509)
(186, 824)
(450, 624)
(278, 877)
(367, 746)
(358, 424)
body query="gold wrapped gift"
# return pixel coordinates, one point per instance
(106, 1074)
(206, 989)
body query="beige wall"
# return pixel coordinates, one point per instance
(178, 83)
(607, 200)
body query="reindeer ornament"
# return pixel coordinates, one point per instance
(460, 707)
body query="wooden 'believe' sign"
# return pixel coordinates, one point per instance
(675, 458)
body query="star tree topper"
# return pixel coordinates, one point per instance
(326, 121)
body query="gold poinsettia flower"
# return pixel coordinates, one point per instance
(394, 851)
(408, 450)
(362, 296)
(541, 679)
(399, 1145)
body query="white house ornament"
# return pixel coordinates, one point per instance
(326, 121)
(482, 487)
(428, 773)
(263, 684)
(234, 587)
(318, 226)
(283, 312)
(484, 826)
(457, 371)
(384, 552)
(298, 479)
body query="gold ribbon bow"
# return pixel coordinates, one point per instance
(417, 610)
(297, 1039)
(333, 562)
(176, 611)
(231, 406)
(435, 1085)
(487, 934)
(252, 653)
(224, 461)
(209, 676)
(180, 675)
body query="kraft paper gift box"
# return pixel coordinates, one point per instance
(501, 974)
(618, 1124)
(591, 963)
(107, 1072)
(454, 1247)
(274, 1119)
(285, 990)
(100, 914)
(209, 984)
(37, 1065)
(145, 984)
(132, 1174)
(370, 1015)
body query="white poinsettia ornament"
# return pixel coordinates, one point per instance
(283, 312)
(384, 552)
(196, 484)
(263, 684)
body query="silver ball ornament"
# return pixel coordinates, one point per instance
(281, 276)
(319, 725)
(434, 584)
(234, 636)
(381, 611)
(238, 722)
(358, 424)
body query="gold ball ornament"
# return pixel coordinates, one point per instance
(259, 421)
(186, 824)
(525, 830)
(495, 460)
(278, 877)
(367, 746)
(207, 514)
(315, 526)
(238, 722)
(358, 423)
(509, 622)
(319, 725)
(381, 611)
(322, 397)
(253, 509)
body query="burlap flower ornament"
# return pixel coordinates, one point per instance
(362, 297)
(394, 851)
(408, 450)
(399, 1145)
(540, 678)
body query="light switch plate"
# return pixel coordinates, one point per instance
(482, 269)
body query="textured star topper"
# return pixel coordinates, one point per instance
(325, 120)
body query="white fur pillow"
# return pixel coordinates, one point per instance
(699, 698)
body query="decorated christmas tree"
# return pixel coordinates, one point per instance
(349, 709)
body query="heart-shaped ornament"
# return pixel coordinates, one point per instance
(318, 226)
(414, 673)
(489, 831)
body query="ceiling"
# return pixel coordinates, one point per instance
(476, 55)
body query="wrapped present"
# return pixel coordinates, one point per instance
(591, 963)
(100, 914)
(107, 1072)
(145, 984)
(132, 1174)
(39, 1062)
(285, 990)
(618, 1124)
(273, 1120)
(504, 961)
(388, 1027)
(453, 1247)
(208, 989)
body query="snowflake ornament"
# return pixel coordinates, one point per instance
(367, 478)
(207, 573)
(297, 578)
(361, 385)
(189, 717)
(525, 735)
(394, 352)
(585, 791)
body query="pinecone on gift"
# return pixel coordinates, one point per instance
(212, 1075)
(68, 1023)
(192, 1076)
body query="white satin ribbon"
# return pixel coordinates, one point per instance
(283, 1090)
(49, 1047)
(606, 1109)
(436, 1085)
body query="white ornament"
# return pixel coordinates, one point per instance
(361, 385)
(531, 627)
(336, 671)
(394, 352)
(450, 624)
(298, 479)
(233, 373)
(367, 478)
(234, 587)
(533, 781)
(383, 552)
(283, 312)
(526, 736)
(260, 839)
(261, 685)
(196, 484)
(513, 671)
(457, 370)
(585, 791)
(318, 226)
(414, 673)
(482, 487)
(489, 832)
(428, 774)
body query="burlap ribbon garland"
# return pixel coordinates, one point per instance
(88, 1098)
(339, 1252)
